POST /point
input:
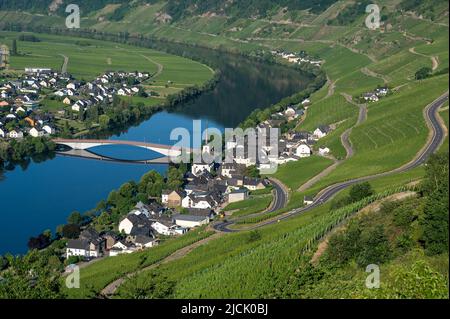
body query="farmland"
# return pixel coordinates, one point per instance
(90, 58)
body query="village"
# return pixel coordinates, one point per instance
(22, 101)
(297, 58)
(207, 189)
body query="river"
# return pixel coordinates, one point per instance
(41, 195)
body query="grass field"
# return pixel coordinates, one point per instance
(328, 111)
(252, 205)
(90, 58)
(294, 174)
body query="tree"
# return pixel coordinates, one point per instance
(75, 218)
(104, 120)
(434, 222)
(174, 178)
(360, 191)
(423, 73)
(252, 171)
(151, 184)
(71, 231)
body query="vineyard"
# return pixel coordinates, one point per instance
(251, 265)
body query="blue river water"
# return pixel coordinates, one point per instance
(41, 195)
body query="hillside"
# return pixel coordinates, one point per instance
(274, 261)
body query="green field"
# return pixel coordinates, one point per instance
(252, 205)
(90, 58)
(294, 174)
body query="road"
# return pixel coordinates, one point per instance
(65, 63)
(280, 201)
(432, 145)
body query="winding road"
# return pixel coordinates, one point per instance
(280, 201)
(437, 136)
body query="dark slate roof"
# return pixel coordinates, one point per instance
(143, 239)
(78, 244)
(141, 230)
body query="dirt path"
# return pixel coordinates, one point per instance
(373, 74)
(373, 207)
(434, 59)
(4, 55)
(345, 140)
(158, 65)
(112, 287)
(65, 63)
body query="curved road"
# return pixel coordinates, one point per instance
(280, 200)
(326, 194)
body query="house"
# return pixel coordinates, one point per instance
(121, 247)
(308, 200)
(132, 222)
(200, 201)
(164, 226)
(172, 198)
(30, 121)
(253, 183)
(110, 240)
(372, 97)
(145, 242)
(197, 169)
(15, 134)
(190, 221)
(303, 150)
(237, 195)
(67, 101)
(321, 131)
(306, 102)
(4, 104)
(71, 86)
(82, 248)
(3, 133)
(36, 133)
(323, 151)
(88, 245)
(48, 129)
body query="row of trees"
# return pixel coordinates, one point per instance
(19, 150)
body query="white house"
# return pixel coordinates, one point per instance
(197, 169)
(306, 101)
(2, 132)
(164, 227)
(190, 221)
(83, 248)
(321, 131)
(200, 202)
(15, 134)
(145, 242)
(303, 150)
(48, 129)
(308, 200)
(72, 86)
(67, 101)
(126, 225)
(121, 248)
(323, 151)
(237, 195)
(36, 133)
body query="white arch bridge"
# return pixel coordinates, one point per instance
(85, 144)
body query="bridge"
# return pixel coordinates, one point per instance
(84, 144)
